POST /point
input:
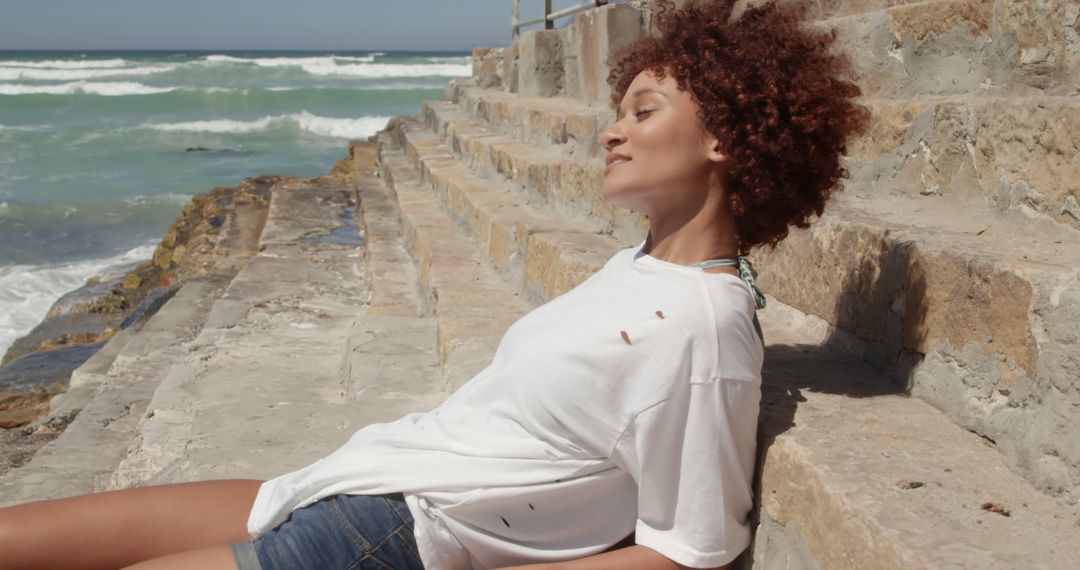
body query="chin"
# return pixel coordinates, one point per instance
(619, 197)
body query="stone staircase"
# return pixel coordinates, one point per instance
(919, 403)
(849, 460)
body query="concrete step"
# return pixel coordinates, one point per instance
(109, 394)
(853, 474)
(916, 48)
(978, 319)
(825, 9)
(472, 305)
(539, 255)
(554, 180)
(998, 153)
(260, 391)
(390, 350)
(952, 47)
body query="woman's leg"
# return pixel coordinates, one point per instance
(119, 528)
(212, 558)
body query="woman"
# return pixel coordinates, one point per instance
(622, 412)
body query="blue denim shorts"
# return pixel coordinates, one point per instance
(340, 532)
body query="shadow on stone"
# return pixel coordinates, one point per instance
(866, 353)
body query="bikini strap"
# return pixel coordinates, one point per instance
(746, 273)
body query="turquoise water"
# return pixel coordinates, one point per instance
(99, 150)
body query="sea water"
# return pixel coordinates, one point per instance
(100, 150)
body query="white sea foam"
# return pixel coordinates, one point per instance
(341, 128)
(218, 90)
(24, 128)
(107, 88)
(289, 61)
(25, 74)
(386, 86)
(216, 126)
(458, 59)
(374, 87)
(324, 126)
(66, 63)
(27, 291)
(376, 70)
(361, 66)
(168, 198)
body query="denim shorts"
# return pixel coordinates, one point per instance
(340, 532)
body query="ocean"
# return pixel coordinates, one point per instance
(100, 150)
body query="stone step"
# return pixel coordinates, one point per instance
(881, 263)
(952, 47)
(825, 9)
(109, 393)
(998, 153)
(977, 320)
(853, 474)
(539, 255)
(916, 48)
(390, 350)
(260, 390)
(553, 180)
(472, 305)
(897, 48)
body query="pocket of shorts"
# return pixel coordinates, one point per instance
(367, 553)
(398, 551)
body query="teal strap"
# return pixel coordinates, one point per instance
(747, 274)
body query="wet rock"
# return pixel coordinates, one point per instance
(132, 281)
(49, 370)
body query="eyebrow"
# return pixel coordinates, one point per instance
(635, 95)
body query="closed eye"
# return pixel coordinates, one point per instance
(643, 111)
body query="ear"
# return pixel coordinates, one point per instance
(713, 150)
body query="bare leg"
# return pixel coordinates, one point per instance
(119, 528)
(212, 558)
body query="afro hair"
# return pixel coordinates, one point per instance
(770, 90)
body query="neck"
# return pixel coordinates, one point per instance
(690, 237)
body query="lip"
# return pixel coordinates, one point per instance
(616, 158)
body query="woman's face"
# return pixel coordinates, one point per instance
(666, 154)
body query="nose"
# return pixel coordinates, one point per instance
(612, 136)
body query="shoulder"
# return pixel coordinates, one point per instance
(731, 316)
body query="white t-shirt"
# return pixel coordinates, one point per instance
(597, 417)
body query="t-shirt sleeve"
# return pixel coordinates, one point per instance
(692, 456)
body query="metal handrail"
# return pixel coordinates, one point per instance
(549, 17)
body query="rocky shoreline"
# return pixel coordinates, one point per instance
(213, 236)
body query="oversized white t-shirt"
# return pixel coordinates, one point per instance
(627, 404)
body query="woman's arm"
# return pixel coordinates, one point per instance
(636, 556)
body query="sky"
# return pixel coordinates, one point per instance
(436, 25)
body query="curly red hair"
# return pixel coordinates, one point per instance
(769, 88)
